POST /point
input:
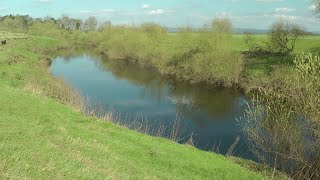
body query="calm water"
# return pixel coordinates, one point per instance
(132, 91)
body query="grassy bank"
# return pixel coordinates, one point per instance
(42, 136)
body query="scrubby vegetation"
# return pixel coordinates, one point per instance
(195, 57)
(282, 122)
(282, 40)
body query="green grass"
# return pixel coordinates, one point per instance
(42, 138)
(261, 67)
(304, 43)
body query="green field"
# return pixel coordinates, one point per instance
(258, 68)
(304, 43)
(42, 137)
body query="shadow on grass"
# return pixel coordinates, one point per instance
(258, 66)
(315, 50)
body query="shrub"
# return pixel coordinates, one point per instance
(283, 123)
(283, 36)
(206, 57)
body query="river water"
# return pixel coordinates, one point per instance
(141, 95)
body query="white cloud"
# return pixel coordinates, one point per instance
(284, 10)
(43, 1)
(270, 17)
(312, 7)
(108, 10)
(283, 16)
(232, 1)
(100, 12)
(145, 6)
(160, 12)
(85, 12)
(221, 14)
(157, 12)
(269, 0)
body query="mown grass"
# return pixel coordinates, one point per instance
(43, 137)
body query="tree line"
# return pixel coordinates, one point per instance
(22, 23)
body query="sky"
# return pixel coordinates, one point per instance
(253, 14)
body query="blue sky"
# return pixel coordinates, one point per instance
(257, 14)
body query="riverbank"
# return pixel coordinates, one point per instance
(208, 59)
(43, 136)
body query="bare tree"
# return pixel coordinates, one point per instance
(222, 25)
(284, 35)
(65, 22)
(90, 24)
(77, 23)
(316, 6)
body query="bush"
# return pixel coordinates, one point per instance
(282, 40)
(195, 57)
(283, 36)
(283, 123)
(206, 57)
(222, 25)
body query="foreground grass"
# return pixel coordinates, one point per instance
(41, 137)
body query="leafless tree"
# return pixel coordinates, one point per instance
(222, 25)
(284, 35)
(316, 6)
(90, 24)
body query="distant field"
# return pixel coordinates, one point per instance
(261, 66)
(304, 44)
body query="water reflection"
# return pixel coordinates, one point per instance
(217, 102)
(209, 113)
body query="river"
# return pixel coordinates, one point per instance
(141, 95)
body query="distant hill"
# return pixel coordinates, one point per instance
(243, 30)
(251, 31)
(237, 30)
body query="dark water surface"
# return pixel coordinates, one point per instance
(210, 114)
